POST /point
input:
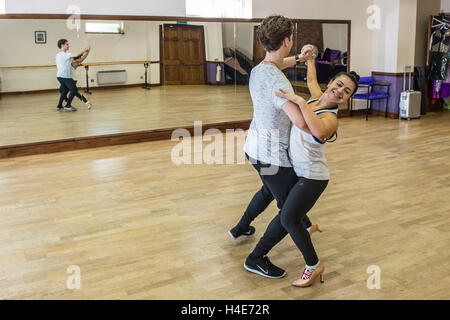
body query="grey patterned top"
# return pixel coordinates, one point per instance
(268, 135)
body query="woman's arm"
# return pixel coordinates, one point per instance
(77, 62)
(321, 126)
(313, 84)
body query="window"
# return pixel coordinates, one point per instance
(96, 27)
(219, 8)
(2, 7)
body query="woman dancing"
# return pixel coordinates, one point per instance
(317, 120)
(267, 141)
(306, 151)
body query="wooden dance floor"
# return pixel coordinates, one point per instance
(31, 124)
(140, 227)
(27, 118)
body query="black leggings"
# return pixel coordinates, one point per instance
(78, 94)
(276, 186)
(301, 199)
(68, 84)
(295, 197)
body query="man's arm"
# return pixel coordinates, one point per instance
(74, 55)
(322, 126)
(306, 53)
(288, 62)
(295, 115)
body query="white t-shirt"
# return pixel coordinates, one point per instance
(63, 64)
(307, 154)
(72, 72)
(268, 135)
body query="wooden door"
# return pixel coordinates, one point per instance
(170, 55)
(183, 54)
(259, 53)
(192, 55)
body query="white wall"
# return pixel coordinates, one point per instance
(239, 36)
(2, 7)
(335, 36)
(213, 39)
(244, 38)
(354, 10)
(445, 5)
(406, 34)
(395, 40)
(175, 8)
(20, 50)
(385, 39)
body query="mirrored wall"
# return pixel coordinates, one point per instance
(149, 75)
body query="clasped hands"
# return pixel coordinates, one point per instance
(307, 53)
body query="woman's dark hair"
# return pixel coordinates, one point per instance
(273, 30)
(352, 75)
(61, 42)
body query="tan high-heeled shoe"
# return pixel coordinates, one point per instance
(314, 228)
(309, 276)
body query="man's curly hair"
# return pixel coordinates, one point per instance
(273, 30)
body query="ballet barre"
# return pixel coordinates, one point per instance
(86, 67)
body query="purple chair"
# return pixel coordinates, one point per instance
(331, 55)
(329, 65)
(371, 94)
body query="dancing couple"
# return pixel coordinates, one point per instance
(289, 158)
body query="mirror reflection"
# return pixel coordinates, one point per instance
(141, 75)
(331, 42)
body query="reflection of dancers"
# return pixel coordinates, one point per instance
(64, 74)
(75, 63)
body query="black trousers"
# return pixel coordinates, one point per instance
(275, 186)
(67, 84)
(295, 197)
(78, 94)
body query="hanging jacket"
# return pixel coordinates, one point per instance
(440, 43)
(420, 84)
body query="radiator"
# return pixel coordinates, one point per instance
(111, 77)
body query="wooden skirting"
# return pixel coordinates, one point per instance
(389, 74)
(108, 140)
(373, 112)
